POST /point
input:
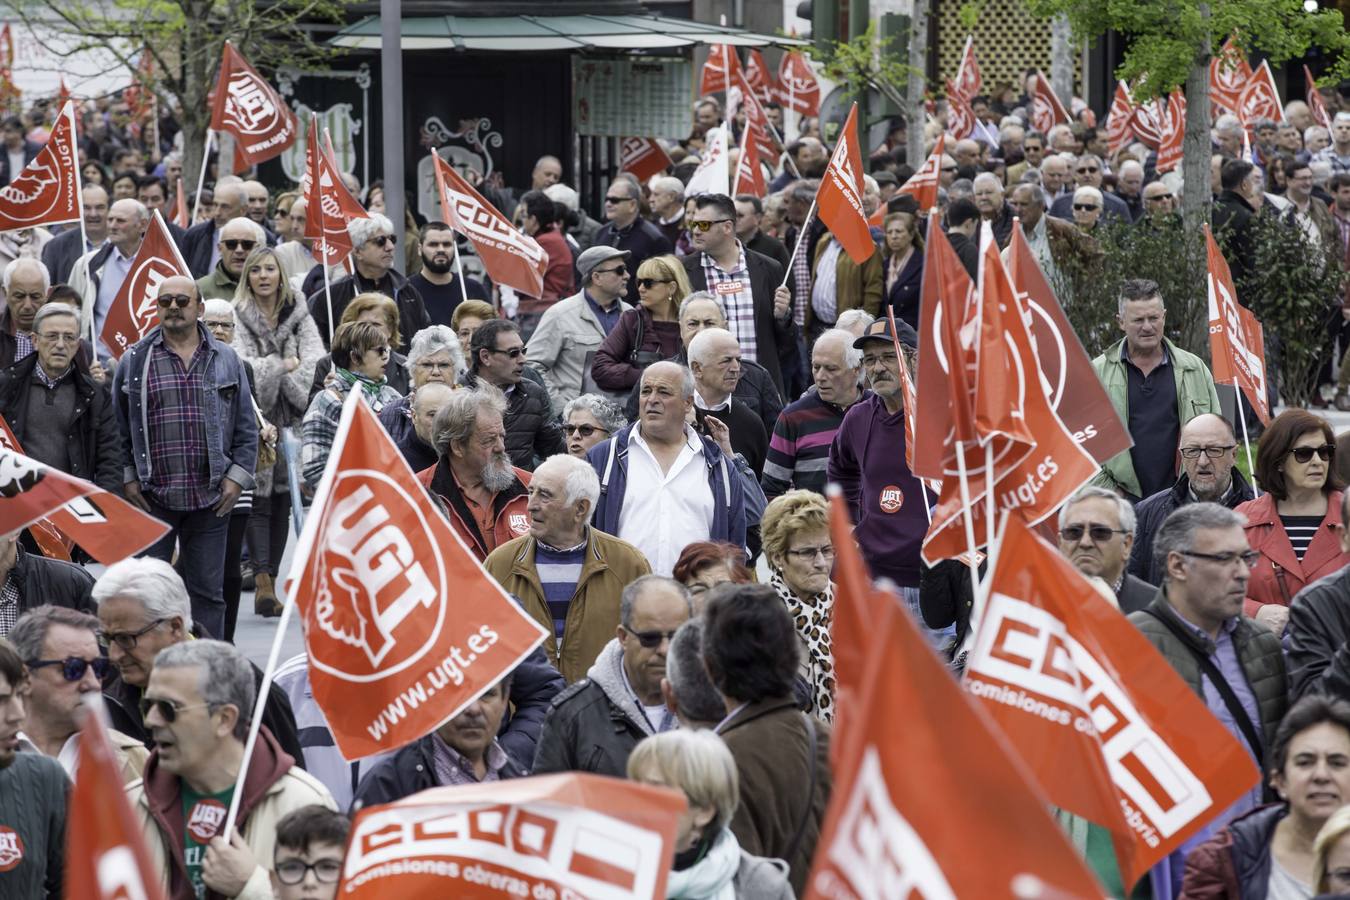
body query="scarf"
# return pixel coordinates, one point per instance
(374, 390)
(713, 876)
(812, 622)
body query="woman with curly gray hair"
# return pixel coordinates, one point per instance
(588, 420)
(435, 355)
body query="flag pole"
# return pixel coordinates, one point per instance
(201, 178)
(84, 232)
(327, 285)
(801, 235)
(990, 505)
(459, 272)
(1246, 442)
(963, 482)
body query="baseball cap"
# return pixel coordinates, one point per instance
(880, 330)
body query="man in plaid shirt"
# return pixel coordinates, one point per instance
(191, 441)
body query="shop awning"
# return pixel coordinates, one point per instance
(536, 33)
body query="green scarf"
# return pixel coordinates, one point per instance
(372, 387)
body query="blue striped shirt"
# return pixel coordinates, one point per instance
(559, 571)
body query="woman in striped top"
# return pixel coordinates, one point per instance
(1295, 524)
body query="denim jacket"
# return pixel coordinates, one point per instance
(231, 429)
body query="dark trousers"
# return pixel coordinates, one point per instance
(268, 528)
(232, 580)
(201, 536)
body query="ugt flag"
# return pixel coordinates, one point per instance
(329, 206)
(839, 197)
(250, 109)
(47, 191)
(135, 309)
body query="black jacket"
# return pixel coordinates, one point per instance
(1134, 594)
(412, 312)
(586, 732)
(642, 239)
(1316, 638)
(531, 430)
(409, 771)
(771, 247)
(1232, 224)
(198, 245)
(755, 389)
(1152, 511)
(52, 581)
(968, 251)
(61, 252)
(770, 333)
(748, 437)
(30, 151)
(95, 440)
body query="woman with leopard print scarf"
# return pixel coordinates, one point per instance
(796, 537)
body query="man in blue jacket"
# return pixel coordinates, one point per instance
(190, 441)
(664, 485)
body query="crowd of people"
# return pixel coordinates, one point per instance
(639, 457)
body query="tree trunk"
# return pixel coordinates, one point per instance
(198, 70)
(1195, 145)
(1062, 60)
(918, 68)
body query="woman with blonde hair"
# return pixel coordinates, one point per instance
(709, 862)
(382, 310)
(795, 531)
(1331, 852)
(649, 332)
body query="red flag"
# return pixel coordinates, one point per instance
(135, 309)
(1229, 73)
(1105, 724)
(749, 173)
(960, 115)
(1146, 126)
(797, 85)
(757, 75)
(1118, 130)
(839, 199)
(329, 206)
(998, 398)
(30, 490)
(47, 190)
(1046, 109)
(511, 257)
(933, 803)
(250, 109)
(968, 81)
(756, 121)
(644, 157)
(403, 627)
(1075, 391)
(1315, 101)
(1236, 342)
(46, 536)
(572, 835)
(1172, 118)
(180, 205)
(1260, 97)
(106, 857)
(63, 95)
(720, 69)
(923, 184)
(140, 96)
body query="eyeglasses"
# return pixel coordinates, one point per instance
(434, 366)
(1248, 557)
(1305, 454)
(1085, 207)
(1088, 170)
(179, 300)
(236, 243)
(809, 554)
(1159, 197)
(618, 200)
(293, 871)
(384, 240)
(649, 283)
(513, 353)
(703, 226)
(949, 168)
(1211, 452)
(1100, 534)
(584, 430)
(73, 667)
(885, 358)
(127, 639)
(166, 708)
(621, 270)
(652, 639)
(63, 337)
(224, 326)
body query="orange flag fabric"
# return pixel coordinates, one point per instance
(106, 857)
(1046, 109)
(798, 88)
(329, 206)
(45, 535)
(757, 74)
(1260, 97)
(998, 402)
(135, 309)
(1229, 73)
(856, 604)
(511, 257)
(968, 81)
(571, 836)
(1104, 723)
(644, 157)
(839, 199)
(749, 173)
(1236, 341)
(180, 205)
(1172, 119)
(1315, 101)
(923, 184)
(720, 69)
(1118, 130)
(250, 109)
(933, 803)
(960, 115)
(1146, 125)
(47, 191)
(403, 627)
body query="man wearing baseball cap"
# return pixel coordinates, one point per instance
(570, 331)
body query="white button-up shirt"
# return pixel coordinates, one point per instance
(664, 511)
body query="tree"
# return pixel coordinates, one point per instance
(868, 61)
(185, 38)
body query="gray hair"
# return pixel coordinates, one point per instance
(803, 191)
(216, 306)
(259, 236)
(1321, 171)
(29, 633)
(668, 183)
(609, 414)
(1312, 131)
(151, 582)
(1342, 116)
(961, 188)
(703, 295)
(1177, 532)
(455, 423)
(851, 317)
(579, 479)
(686, 380)
(1131, 165)
(1227, 123)
(852, 355)
(225, 676)
(695, 762)
(695, 697)
(701, 345)
(433, 339)
(50, 310)
(638, 585)
(1090, 192)
(1124, 511)
(24, 262)
(362, 230)
(1035, 192)
(566, 195)
(986, 177)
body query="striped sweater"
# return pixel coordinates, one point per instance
(799, 450)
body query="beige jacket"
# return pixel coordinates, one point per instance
(563, 346)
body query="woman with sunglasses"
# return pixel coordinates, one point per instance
(648, 333)
(588, 420)
(1295, 523)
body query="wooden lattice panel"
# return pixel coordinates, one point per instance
(1007, 42)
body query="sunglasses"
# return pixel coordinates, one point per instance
(166, 709)
(702, 227)
(384, 240)
(1099, 533)
(584, 430)
(1088, 171)
(1305, 454)
(1085, 207)
(648, 283)
(617, 200)
(73, 667)
(293, 871)
(652, 639)
(621, 270)
(513, 353)
(1159, 197)
(236, 243)
(179, 300)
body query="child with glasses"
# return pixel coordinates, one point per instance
(307, 861)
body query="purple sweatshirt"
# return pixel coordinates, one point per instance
(867, 460)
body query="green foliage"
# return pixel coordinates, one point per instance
(864, 62)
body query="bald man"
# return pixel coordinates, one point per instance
(417, 445)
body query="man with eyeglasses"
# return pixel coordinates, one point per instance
(497, 356)
(1195, 621)
(311, 842)
(199, 702)
(1096, 532)
(190, 440)
(595, 723)
(59, 646)
(238, 238)
(201, 243)
(1087, 172)
(1208, 451)
(1033, 152)
(1159, 205)
(1057, 245)
(373, 259)
(626, 230)
(1129, 187)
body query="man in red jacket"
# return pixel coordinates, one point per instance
(540, 221)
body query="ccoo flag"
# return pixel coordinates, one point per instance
(1236, 342)
(511, 257)
(1315, 101)
(839, 198)
(1229, 73)
(644, 157)
(1260, 97)
(47, 191)
(1118, 130)
(1172, 126)
(749, 173)
(968, 81)
(250, 109)
(135, 309)
(720, 69)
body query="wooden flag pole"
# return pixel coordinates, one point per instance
(1246, 442)
(801, 236)
(92, 306)
(201, 178)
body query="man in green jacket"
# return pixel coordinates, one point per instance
(238, 238)
(1156, 387)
